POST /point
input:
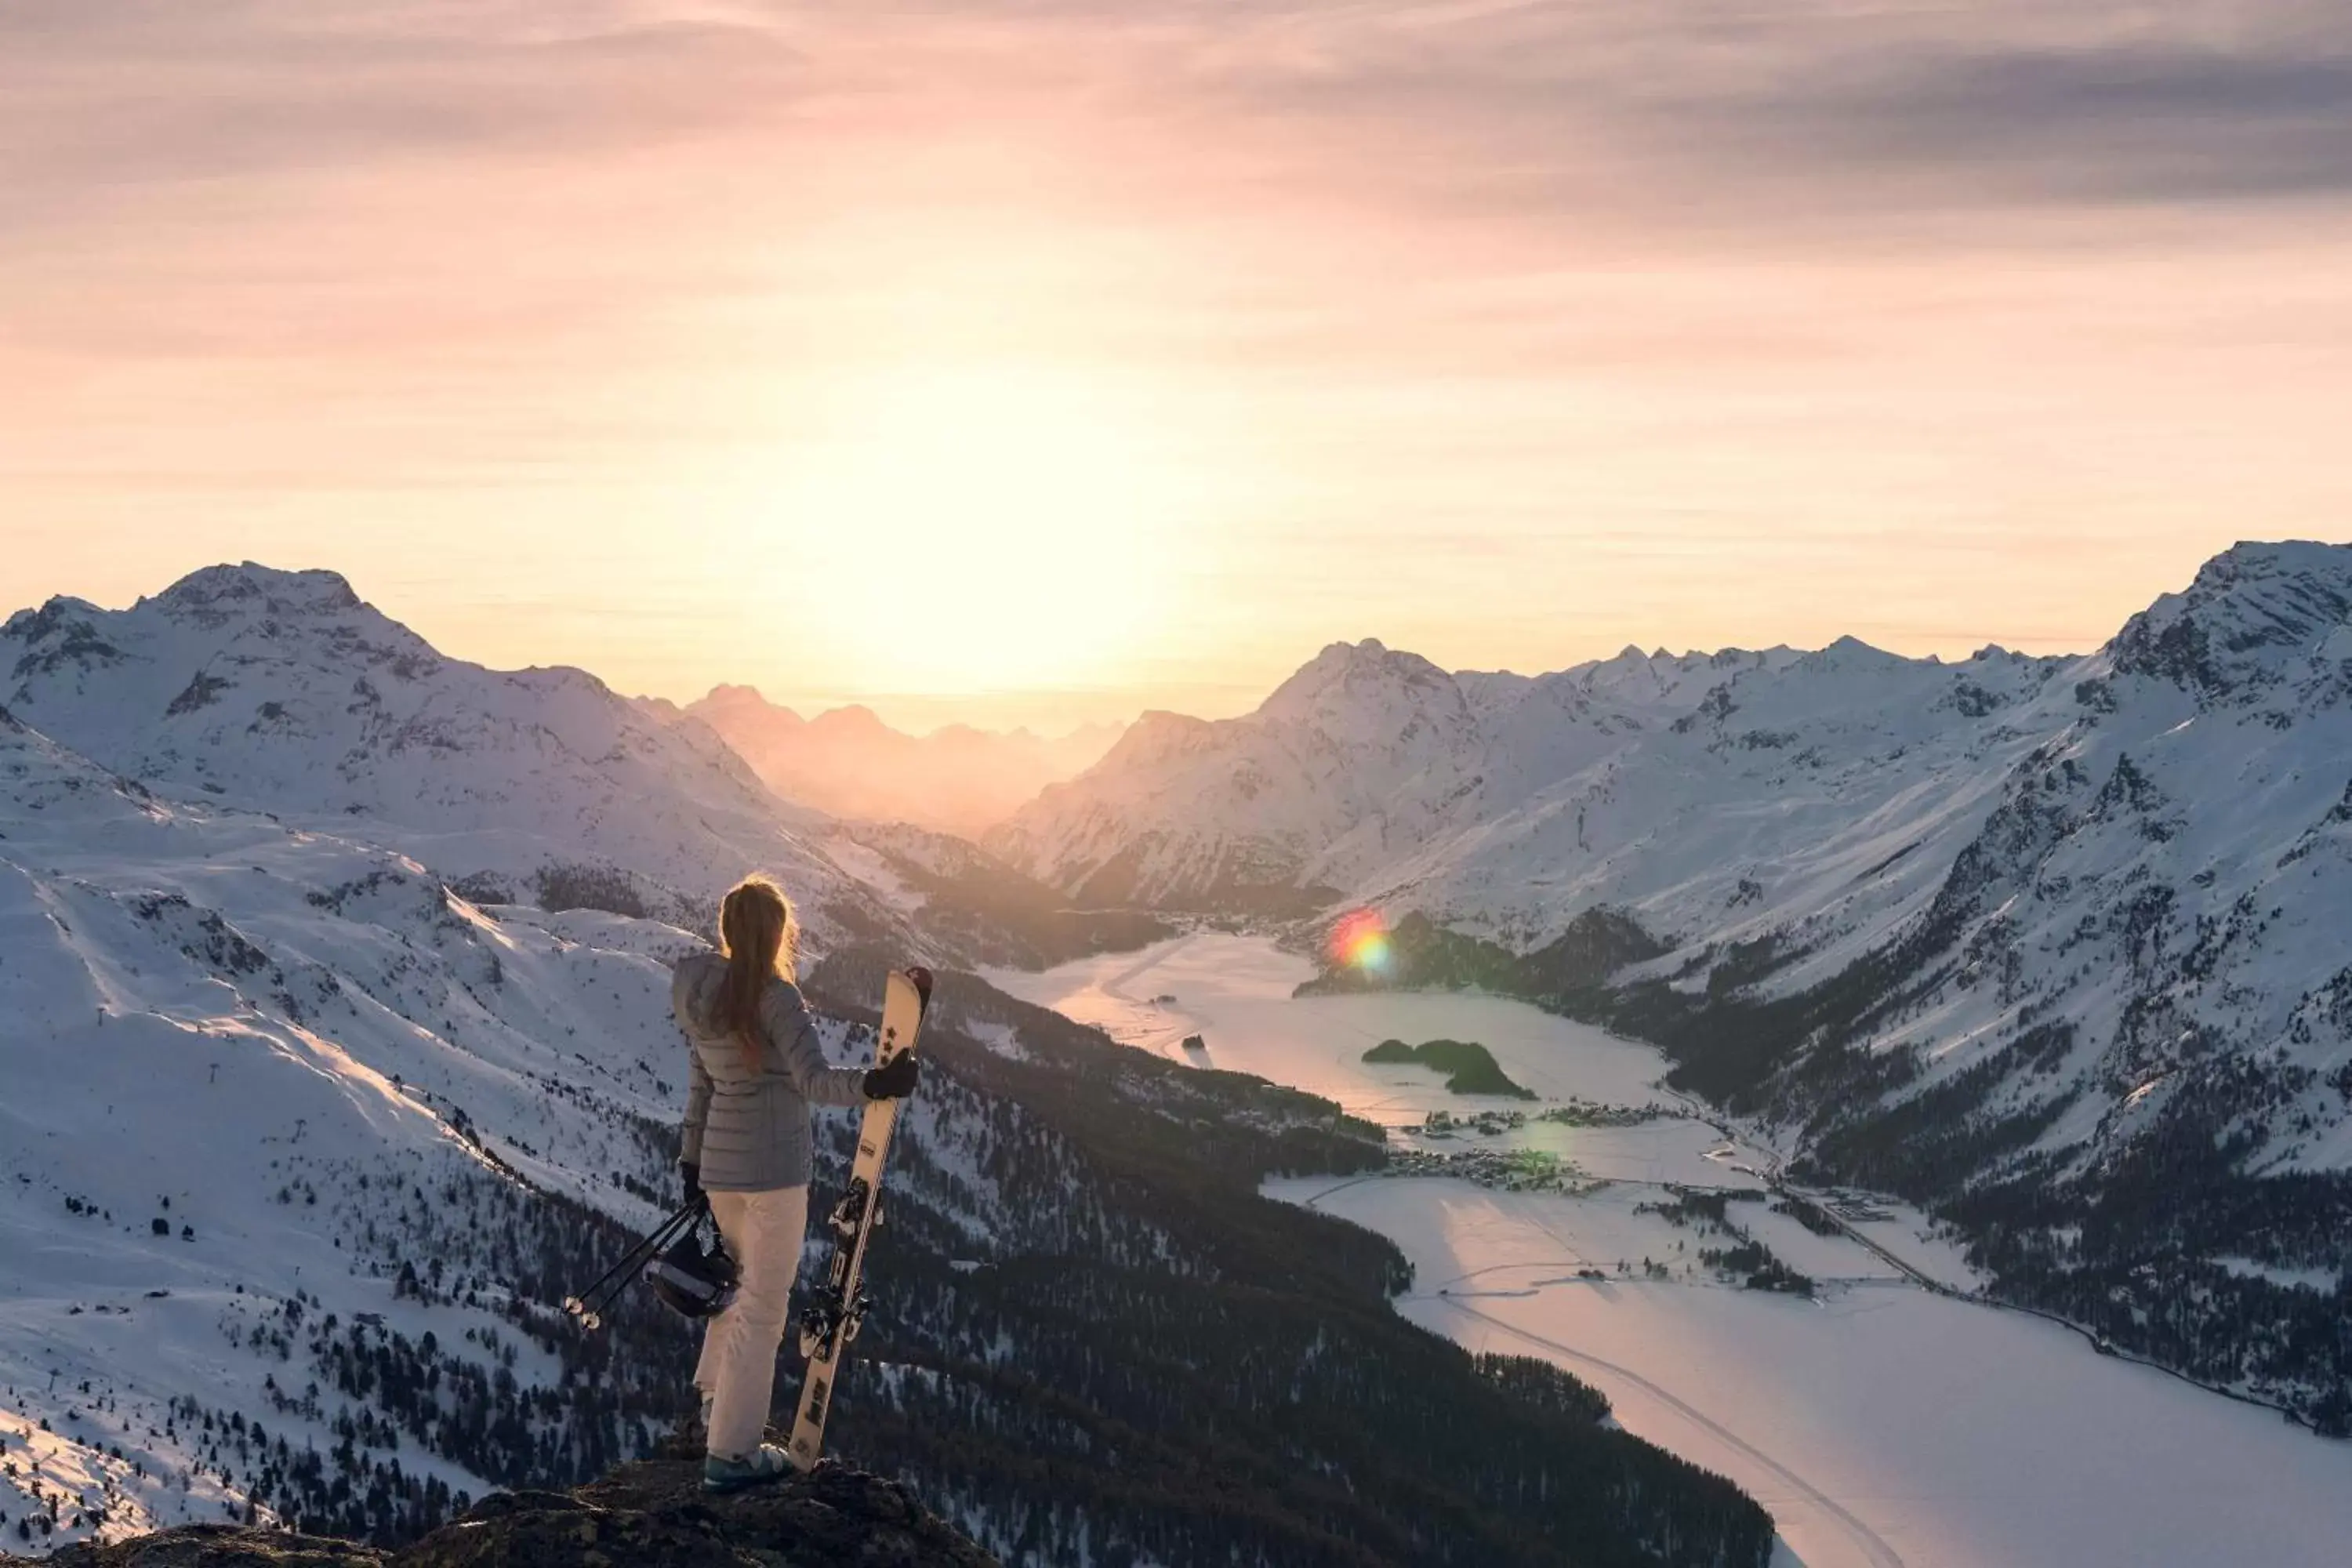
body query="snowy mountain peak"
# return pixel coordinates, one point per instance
(26, 625)
(266, 589)
(1850, 652)
(1375, 776)
(1347, 678)
(1363, 759)
(2256, 613)
(1340, 661)
(1158, 736)
(727, 703)
(284, 693)
(60, 635)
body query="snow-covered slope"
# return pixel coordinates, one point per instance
(1817, 798)
(848, 762)
(2113, 1038)
(1250, 811)
(292, 1135)
(283, 692)
(259, 1055)
(2154, 906)
(236, 1050)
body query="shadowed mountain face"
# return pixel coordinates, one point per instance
(2054, 945)
(848, 762)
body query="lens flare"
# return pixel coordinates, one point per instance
(1360, 940)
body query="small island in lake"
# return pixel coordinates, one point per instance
(1195, 1043)
(1469, 1066)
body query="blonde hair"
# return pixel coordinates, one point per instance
(759, 938)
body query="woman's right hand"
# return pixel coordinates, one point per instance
(894, 1079)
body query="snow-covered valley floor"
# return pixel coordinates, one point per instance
(1880, 1424)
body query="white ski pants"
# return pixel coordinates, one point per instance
(737, 1374)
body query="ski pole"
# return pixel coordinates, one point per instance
(660, 1237)
(589, 1304)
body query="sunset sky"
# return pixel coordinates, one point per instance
(1032, 362)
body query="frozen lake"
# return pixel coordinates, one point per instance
(1882, 1423)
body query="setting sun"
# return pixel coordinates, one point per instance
(980, 528)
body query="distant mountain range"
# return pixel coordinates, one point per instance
(2061, 947)
(1365, 757)
(848, 762)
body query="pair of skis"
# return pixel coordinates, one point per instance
(829, 1322)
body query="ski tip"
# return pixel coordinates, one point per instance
(922, 979)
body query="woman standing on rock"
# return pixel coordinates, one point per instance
(757, 1070)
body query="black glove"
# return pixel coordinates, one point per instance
(894, 1079)
(690, 1174)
